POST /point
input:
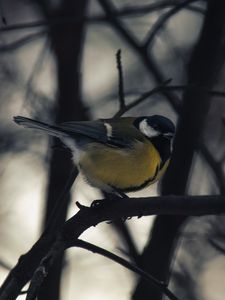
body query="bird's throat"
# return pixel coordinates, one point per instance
(163, 146)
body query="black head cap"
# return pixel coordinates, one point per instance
(161, 124)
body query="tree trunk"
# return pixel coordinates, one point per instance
(203, 69)
(67, 42)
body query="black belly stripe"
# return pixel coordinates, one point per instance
(144, 184)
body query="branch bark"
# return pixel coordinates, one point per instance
(108, 210)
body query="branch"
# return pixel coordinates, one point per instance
(165, 87)
(95, 249)
(163, 19)
(22, 41)
(2, 14)
(53, 223)
(4, 265)
(36, 68)
(47, 261)
(117, 208)
(216, 166)
(123, 12)
(107, 210)
(141, 99)
(120, 80)
(152, 7)
(146, 57)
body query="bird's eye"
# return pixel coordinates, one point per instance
(154, 126)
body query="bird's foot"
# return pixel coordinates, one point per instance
(97, 203)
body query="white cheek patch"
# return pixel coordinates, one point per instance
(108, 129)
(147, 130)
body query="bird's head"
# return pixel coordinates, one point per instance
(154, 126)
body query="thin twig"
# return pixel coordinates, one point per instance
(163, 19)
(42, 271)
(61, 201)
(123, 12)
(4, 265)
(216, 166)
(2, 14)
(141, 99)
(120, 79)
(153, 7)
(95, 249)
(217, 246)
(165, 87)
(22, 41)
(148, 61)
(35, 70)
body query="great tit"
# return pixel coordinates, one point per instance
(115, 155)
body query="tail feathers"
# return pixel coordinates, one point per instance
(50, 129)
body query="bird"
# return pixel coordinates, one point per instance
(117, 155)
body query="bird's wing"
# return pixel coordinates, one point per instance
(99, 130)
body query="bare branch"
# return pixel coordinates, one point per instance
(163, 19)
(2, 14)
(107, 210)
(37, 65)
(53, 223)
(165, 87)
(141, 99)
(4, 265)
(22, 41)
(152, 7)
(216, 166)
(146, 57)
(120, 80)
(216, 246)
(43, 269)
(95, 249)
(113, 209)
(123, 12)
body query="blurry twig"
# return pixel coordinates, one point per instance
(217, 167)
(216, 246)
(158, 25)
(152, 7)
(120, 80)
(95, 249)
(22, 41)
(141, 99)
(2, 14)
(4, 265)
(43, 269)
(165, 87)
(123, 12)
(53, 223)
(37, 66)
(147, 59)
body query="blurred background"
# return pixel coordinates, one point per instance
(58, 63)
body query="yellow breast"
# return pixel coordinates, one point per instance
(123, 169)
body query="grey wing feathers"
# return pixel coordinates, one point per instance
(96, 130)
(92, 129)
(29, 123)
